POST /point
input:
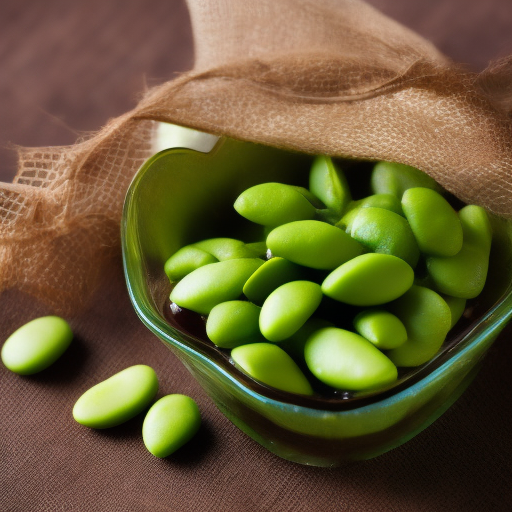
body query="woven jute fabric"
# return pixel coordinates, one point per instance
(334, 77)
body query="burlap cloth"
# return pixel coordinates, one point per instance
(48, 462)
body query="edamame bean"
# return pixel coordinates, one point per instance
(258, 248)
(234, 323)
(369, 280)
(273, 366)
(117, 399)
(273, 204)
(384, 201)
(476, 227)
(385, 232)
(294, 345)
(457, 307)
(272, 274)
(36, 345)
(327, 182)
(170, 423)
(433, 221)
(212, 284)
(427, 320)
(227, 248)
(345, 360)
(186, 260)
(381, 328)
(310, 197)
(287, 308)
(394, 178)
(464, 274)
(313, 244)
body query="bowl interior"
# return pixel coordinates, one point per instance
(181, 196)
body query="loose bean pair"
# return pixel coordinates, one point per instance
(341, 291)
(170, 422)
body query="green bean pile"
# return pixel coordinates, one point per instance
(399, 264)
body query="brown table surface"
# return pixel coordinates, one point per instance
(65, 68)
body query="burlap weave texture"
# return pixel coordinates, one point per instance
(333, 77)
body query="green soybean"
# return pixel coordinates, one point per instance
(369, 280)
(345, 360)
(273, 204)
(457, 307)
(476, 226)
(384, 201)
(36, 345)
(272, 274)
(427, 320)
(212, 284)
(313, 244)
(386, 232)
(186, 260)
(117, 399)
(294, 345)
(170, 423)
(394, 178)
(273, 366)
(310, 197)
(287, 308)
(464, 274)
(328, 183)
(234, 323)
(433, 221)
(380, 327)
(228, 248)
(259, 249)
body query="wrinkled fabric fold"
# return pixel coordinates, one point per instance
(334, 77)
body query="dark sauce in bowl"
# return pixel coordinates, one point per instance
(194, 325)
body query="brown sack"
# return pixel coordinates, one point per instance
(329, 76)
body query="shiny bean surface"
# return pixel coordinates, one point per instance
(117, 399)
(313, 244)
(327, 182)
(186, 260)
(271, 365)
(170, 423)
(287, 308)
(464, 274)
(273, 204)
(385, 232)
(435, 224)
(369, 280)
(427, 320)
(234, 323)
(394, 178)
(212, 284)
(36, 345)
(272, 274)
(345, 360)
(380, 327)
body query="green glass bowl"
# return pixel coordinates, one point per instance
(183, 195)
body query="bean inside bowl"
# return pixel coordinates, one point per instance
(181, 196)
